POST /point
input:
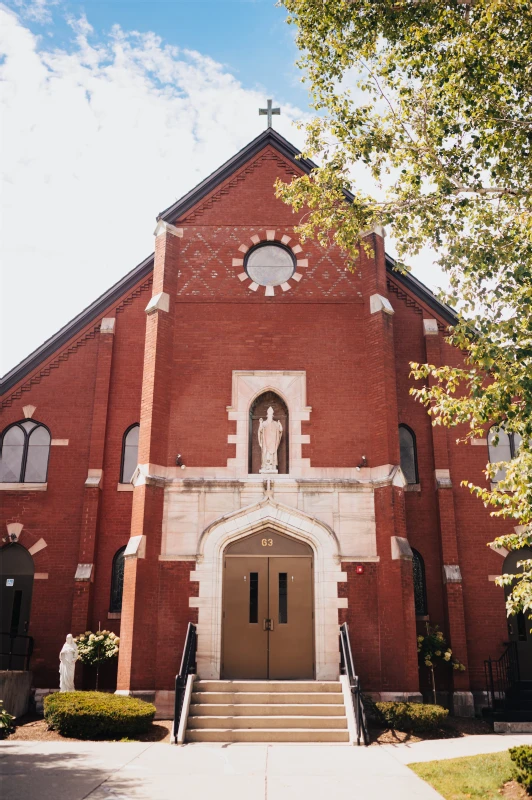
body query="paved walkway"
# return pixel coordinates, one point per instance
(142, 771)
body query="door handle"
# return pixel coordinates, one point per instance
(268, 625)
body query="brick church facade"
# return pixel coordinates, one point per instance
(138, 465)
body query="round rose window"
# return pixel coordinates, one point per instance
(270, 264)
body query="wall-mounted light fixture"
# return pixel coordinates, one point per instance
(179, 461)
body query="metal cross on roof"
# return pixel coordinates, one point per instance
(269, 113)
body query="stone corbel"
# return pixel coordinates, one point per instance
(84, 572)
(94, 479)
(451, 573)
(401, 550)
(143, 476)
(163, 227)
(430, 327)
(107, 325)
(159, 302)
(443, 479)
(136, 547)
(379, 303)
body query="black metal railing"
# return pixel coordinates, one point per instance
(347, 667)
(188, 667)
(501, 675)
(15, 651)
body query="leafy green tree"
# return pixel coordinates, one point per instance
(434, 99)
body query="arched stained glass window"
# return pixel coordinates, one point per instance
(502, 446)
(117, 580)
(420, 586)
(407, 444)
(130, 452)
(24, 453)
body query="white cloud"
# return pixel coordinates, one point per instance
(95, 142)
(37, 10)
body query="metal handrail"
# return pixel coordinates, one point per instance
(501, 674)
(26, 655)
(188, 667)
(347, 667)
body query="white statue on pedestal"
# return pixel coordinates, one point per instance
(67, 664)
(270, 434)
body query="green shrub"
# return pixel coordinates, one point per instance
(6, 721)
(97, 715)
(413, 717)
(522, 756)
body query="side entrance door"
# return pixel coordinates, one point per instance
(268, 608)
(518, 624)
(16, 588)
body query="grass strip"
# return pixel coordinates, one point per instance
(468, 778)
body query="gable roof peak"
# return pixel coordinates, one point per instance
(267, 137)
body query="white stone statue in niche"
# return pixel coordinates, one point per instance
(67, 664)
(270, 434)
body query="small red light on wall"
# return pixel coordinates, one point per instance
(360, 569)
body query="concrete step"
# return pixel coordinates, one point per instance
(324, 735)
(267, 686)
(267, 710)
(286, 722)
(257, 698)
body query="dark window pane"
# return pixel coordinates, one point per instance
(420, 592)
(131, 453)
(117, 581)
(408, 454)
(14, 436)
(521, 627)
(37, 459)
(253, 596)
(11, 462)
(499, 452)
(283, 597)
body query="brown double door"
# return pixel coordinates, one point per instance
(268, 609)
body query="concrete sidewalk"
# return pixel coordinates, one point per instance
(155, 771)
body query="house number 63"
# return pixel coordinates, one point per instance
(267, 542)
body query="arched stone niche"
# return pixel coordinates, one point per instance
(258, 410)
(291, 388)
(327, 574)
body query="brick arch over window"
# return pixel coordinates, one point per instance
(24, 452)
(258, 410)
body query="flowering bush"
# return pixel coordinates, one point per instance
(94, 648)
(432, 648)
(6, 722)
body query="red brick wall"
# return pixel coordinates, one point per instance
(320, 326)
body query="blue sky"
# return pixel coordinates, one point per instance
(110, 111)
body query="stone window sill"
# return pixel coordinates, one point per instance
(124, 487)
(114, 615)
(412, 487)
(23, 487)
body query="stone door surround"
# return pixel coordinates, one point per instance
(209, 574)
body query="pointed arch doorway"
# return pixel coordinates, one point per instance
(16, 588)
(267, 608)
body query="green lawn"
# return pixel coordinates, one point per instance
(468, 778)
